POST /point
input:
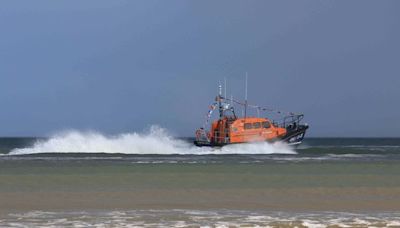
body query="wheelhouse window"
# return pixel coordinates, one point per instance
(248, 126)
(266, 125)
(257, 125)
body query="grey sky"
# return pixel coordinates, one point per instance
(121, 66)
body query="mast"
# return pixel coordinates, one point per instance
(219, 98)
(245, 99)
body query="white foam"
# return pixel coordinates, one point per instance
(155, 141)
(200, 218)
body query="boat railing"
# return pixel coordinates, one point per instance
(219, 138)
(203, 136)
(289, 122)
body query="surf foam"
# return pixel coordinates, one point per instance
(155, 141)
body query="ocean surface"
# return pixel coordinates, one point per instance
(86, 179)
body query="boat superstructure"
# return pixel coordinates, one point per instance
(231, 129)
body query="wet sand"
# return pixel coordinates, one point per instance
(304, 199)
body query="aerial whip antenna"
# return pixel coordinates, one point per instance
(221, 110)
(225, 87)
(245, 99)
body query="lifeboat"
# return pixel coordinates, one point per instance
(231, 129)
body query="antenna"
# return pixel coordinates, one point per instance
(221, 110)
(225, 88)
(245, 99)
(246, 88)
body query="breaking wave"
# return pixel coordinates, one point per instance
(155, 141)
(199, 218)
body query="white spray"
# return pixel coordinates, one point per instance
(155, 141)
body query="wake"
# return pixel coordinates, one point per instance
(156, 141)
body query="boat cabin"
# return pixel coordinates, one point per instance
(239, 130)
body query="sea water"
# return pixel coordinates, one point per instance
(152, 179)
